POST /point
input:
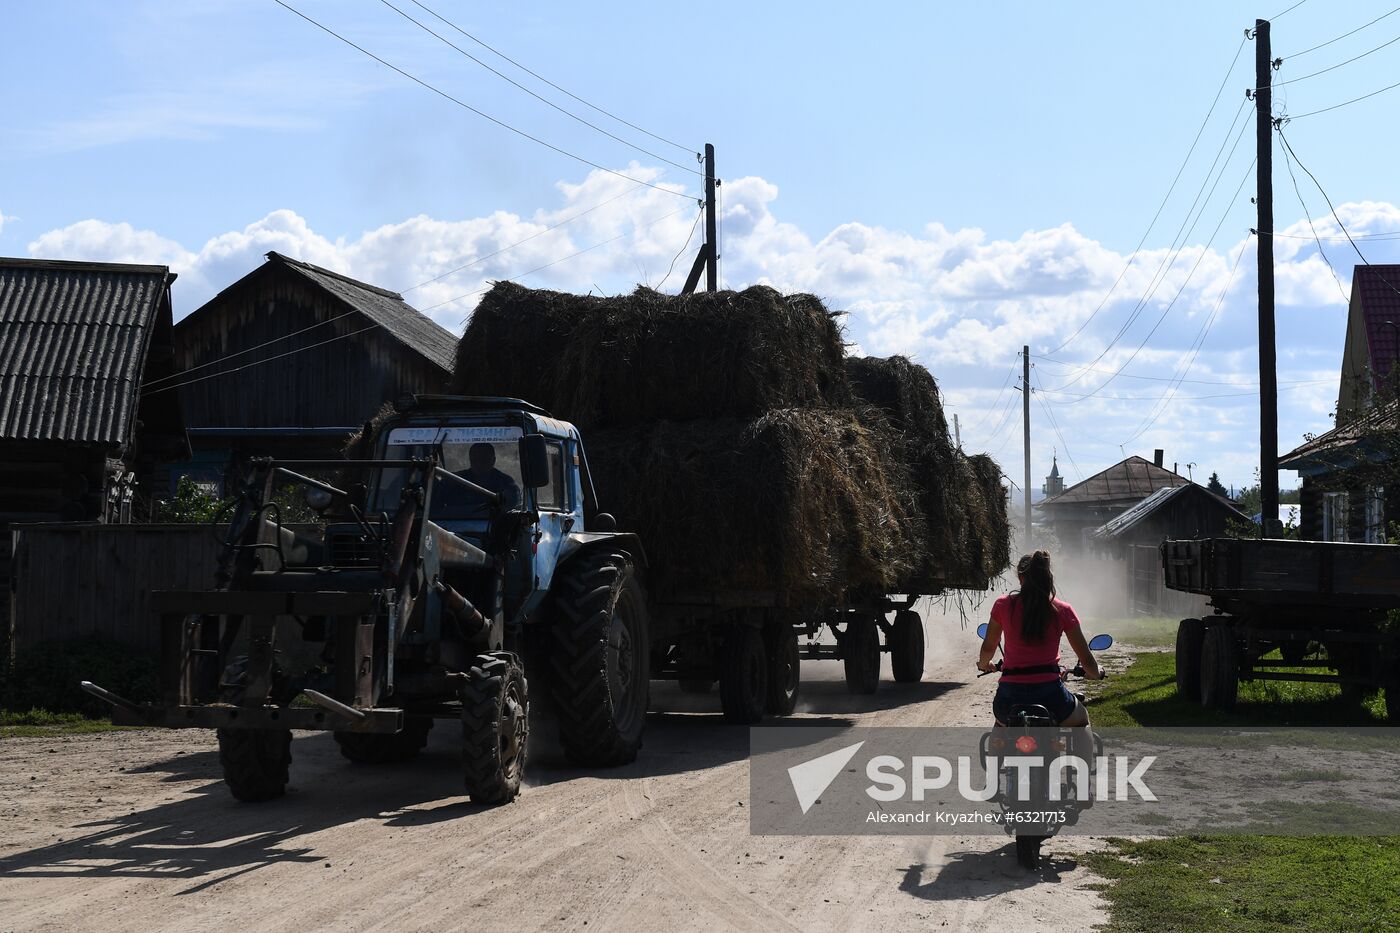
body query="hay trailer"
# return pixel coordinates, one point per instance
(1301, 611)
(462, 548)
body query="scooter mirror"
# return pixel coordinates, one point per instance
(982, 630)
(1101, 642)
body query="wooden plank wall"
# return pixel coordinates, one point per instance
(83, 580)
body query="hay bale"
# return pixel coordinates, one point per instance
(610, 362)
(961, 510)
(796, 501)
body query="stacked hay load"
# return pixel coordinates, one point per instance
(723, 428)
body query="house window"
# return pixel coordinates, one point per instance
(1334, 516)
(1375, 515)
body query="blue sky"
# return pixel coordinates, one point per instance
(961, 178)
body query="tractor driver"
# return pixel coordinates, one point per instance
(483, 472)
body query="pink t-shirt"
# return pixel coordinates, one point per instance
(1016, 652)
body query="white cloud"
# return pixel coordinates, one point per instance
(956, 300)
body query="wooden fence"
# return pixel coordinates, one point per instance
(75, 580)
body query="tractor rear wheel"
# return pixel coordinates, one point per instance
(1220, 668)
(784, 669)
(907, 647)
(860, 650)
(495, 728)
(1190, 637)
(600, 659)
(743, 675)
(373, 748)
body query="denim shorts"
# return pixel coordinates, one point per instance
(1052, 695)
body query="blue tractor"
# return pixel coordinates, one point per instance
(468, 541)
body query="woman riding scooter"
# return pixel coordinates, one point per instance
(1030, 623)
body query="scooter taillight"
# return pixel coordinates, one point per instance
(1026, 744)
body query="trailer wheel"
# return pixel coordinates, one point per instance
(373, 748)
(1190, 637)
(860, 650)
(1220, 668)
(1392, 702)
(743, 675)
(907, 647)
(784, 669)
(695, 685)
(495, 728)
(600, 659)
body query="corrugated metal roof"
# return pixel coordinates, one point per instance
(1133, 478)
(1341, 447)
(73, 339)
(387, 309)
(1145, 509)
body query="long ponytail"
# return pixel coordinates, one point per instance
(1037, 593)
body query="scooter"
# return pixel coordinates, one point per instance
(1029, 749)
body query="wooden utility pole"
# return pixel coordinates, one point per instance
(708, 257)
(1026, 430)
(1264, 201)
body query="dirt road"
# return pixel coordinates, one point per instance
(134, 831)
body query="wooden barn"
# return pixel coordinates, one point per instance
(81, 438)
(1076, 512)
(292, 358)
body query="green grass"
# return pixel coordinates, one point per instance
(1247, 883)
(1138, 631)
(38, 722)
(1145, 695)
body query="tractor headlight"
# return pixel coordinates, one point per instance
(318, 499)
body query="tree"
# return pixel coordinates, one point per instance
(1215, 486)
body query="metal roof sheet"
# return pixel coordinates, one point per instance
(1138, 512)
(404, 322)
(1133, 478)
(1378, 289)
(73, 340)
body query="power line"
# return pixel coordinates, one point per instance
(1392, 235)
(587, 249)
(1166, 197)
(1307, 215)
(1007, 410)
(1288, 146)
(1204, 382)
(265, 343)
(1345, 103)
(568, 113)
(1188, 398)
(1324, 71)
(1045, 406)
(993, 407)
(561, 90)
(689, 236)
(1178, 242)
(1189, 275)
(555, 226)
(267, 359)
(1195, 351)
(1289, 10)
(466, 106)
(1342, 36)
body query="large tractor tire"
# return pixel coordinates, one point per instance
(255, 761)
(372, 748)
(600, 659)
(907, 647)
(495, 728)
(1220, 668)
(784, 669)
(860, 650)
(743, 675)
(1190, 638)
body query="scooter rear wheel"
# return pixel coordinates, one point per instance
(1028, 851)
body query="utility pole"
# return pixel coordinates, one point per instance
(957, 430)
(1264, 200)
(1026, 428)
(708, 257)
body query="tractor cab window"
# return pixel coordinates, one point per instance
(552, 497)
(487, 456)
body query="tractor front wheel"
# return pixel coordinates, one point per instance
(600, 659)
(372, 748)
(255, 762)
(495, 728)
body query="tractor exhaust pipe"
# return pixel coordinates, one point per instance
(469, 619)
